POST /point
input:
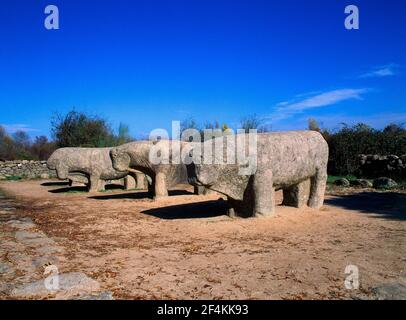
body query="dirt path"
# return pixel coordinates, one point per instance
(185, 247)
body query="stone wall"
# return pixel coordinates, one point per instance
(25, 169)
(375, 166)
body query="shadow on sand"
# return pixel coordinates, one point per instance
(387, 205)
(139, 195)
(69, 189)
(55, 184)
(83, 188)
(207, 209)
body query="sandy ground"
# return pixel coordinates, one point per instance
(185, 247)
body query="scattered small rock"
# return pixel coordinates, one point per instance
(342, 182)
(384, 183)
(105, 295)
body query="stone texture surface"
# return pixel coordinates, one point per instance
(25, 169)
(105, 295)
(70, 285)
(85, 165)
(390, 291)
(135, 155)
(285, 160)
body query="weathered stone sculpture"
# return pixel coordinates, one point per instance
(86, 165)
(294, 161)
(136, 156)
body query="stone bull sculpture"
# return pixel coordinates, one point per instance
(89, 165)
(136, 156)
(293, 161)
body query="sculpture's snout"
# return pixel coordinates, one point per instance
(120, 160)
(113, 154)
(191, 174)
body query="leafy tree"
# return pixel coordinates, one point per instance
(22, 139)
(41, 149)
(250, 122)
(313, 125)
(189, 123)
(123, 134)
(2, 132)
(350, 141)
(7, 148)
(254, 122)
(77, 129)
(22, 143)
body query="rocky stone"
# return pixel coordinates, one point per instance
(30, 238)
(391, 291)
(70, 285)
(30, 169)
(343, 182)
(105, 295)
(284, 160)
(384, 183)
(5, 268)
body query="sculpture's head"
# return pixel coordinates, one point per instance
(52, 161)
(199, 173)
(57, 161)
(202, 174)
(120, 158)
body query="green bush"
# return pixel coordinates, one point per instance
(346, 144)
(13, 178)
(332, 179)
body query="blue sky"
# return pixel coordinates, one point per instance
(146, 63)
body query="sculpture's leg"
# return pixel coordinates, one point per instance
(317, 188)
(231, 212)
(129, 183)
(101, 185)
(93, 183)
(140, 177)
(160, 186)
(208, 192)
(298, 195)
(151, 189)
(62, 172)
(198, 190)
(264, 194)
